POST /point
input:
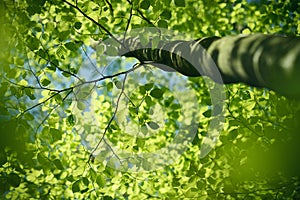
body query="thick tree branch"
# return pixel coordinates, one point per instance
(258, 60)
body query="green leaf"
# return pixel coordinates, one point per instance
(207, 113)
(85, 181)
(71, 120)
(101, 181)
(162, 23)
(140, 142)
(58, 99)
(71, 46)
(148, 86)
(76, 186)
(166, 14)
(142, 90)
(93, 174)
(144, 129)
(29, 93)
(61, 51)
(145, 4)
(33, 43)
(45, 82)
(109, 86)
(43, 160)
(233, 134)
(29, 117)
(58, 164)
(148, 100)
(179, 3)
(118, 84)
(14, 179)
(77, 25)
(56, 134)
(156, 93)
(81, 105)
(153, 125)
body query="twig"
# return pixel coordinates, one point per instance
(95, 22)
(144, 18)
(128, 22)
(110, 7)
(112, 118)
(91, 62)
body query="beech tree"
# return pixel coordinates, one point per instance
(141, 99)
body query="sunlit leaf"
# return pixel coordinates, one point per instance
(81, 105)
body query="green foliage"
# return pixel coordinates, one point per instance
(46, 101)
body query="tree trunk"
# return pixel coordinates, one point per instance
(259, 60)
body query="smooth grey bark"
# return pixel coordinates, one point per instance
(259, 60)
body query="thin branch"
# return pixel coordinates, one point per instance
(30, 87)
(92, 20)
(110, 7)
(78, 85)
(49, 113)
(112, 118)
(128, 22)
(91, 62)
(47, 99)
(136, 66)
(104, 140)
(143, 17)
(50, 61)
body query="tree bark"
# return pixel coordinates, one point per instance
(259, 60)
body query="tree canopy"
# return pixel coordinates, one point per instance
(82, 119)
